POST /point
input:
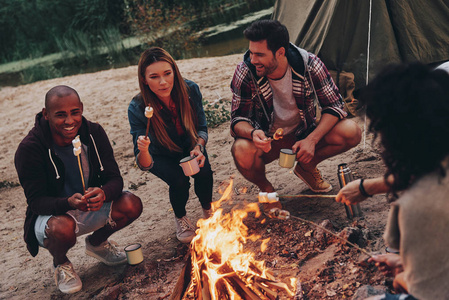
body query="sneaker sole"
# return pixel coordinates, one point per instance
(108, 263)
(313, 190)
(72, 290)
(186, 240)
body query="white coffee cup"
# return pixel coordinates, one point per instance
(134, 254)
(189, 165)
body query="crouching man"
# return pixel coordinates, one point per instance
(61, 203)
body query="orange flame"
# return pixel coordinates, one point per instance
(218, 255)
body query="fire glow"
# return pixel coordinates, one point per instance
(221, 268)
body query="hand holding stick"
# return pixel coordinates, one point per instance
(77, 152)
(148, 114)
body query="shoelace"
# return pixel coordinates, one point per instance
(185, 225)
(67, 273)
(317, 175)
(112, 247)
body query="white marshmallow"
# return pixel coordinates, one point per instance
(277, 213)
(268, 197)
(76, 142)
(148, 112)
(77, 151)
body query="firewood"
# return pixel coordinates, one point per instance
(299, 293)
(205, 287)
(276, 285)
(183, 281)
(270, 294)
(242, 289)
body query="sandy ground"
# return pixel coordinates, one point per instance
(106, 96)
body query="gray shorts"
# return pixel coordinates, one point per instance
(85, 221)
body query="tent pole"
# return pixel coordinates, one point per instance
(367, 64)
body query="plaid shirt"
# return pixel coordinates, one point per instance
(246, 105)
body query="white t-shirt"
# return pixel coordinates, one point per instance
(286, 112)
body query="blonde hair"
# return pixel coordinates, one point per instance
(179, 96)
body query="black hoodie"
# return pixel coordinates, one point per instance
(41, 172)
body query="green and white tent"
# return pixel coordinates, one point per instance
(362, 36)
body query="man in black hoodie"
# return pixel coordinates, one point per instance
(68, 197)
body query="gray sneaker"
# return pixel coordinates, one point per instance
(66, 279)
(185, 231)
(107, 252)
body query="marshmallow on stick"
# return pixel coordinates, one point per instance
(279, 134)
(148, 114)
(77, 152)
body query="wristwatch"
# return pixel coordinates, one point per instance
(201, 147)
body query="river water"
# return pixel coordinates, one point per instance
(219, 40)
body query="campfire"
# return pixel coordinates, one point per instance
(220, 268)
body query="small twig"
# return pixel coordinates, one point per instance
(148, 128)
(333, 234)
(307, 196)
(81, 173)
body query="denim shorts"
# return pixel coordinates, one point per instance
(85, 221)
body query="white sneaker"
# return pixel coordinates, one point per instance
(66, 278)
(185, 231)
(107, 252)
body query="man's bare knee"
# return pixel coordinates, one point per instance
(352, 133)
(61, 228)
(244, 152)
(129, 205)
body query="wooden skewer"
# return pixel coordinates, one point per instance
(307, 196)
(148, 114)
(333, 234)
(81, 173)
(148, 128)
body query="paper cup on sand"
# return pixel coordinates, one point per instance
(287, 158)
(134, 254)
(189, 165)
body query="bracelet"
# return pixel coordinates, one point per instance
(252, 132)
(201, 147)
(362, 189)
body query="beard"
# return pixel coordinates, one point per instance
(267, 69)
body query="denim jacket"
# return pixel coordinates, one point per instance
(138, 123)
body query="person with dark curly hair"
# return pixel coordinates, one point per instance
(408, 108)
(361, 189)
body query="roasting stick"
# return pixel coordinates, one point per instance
(335, 235)
(308, 196)
(77, 152)
(148, 114)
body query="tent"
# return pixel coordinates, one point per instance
(362, 36)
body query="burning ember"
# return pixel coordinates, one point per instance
(220, 268)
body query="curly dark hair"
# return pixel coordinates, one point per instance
(408, 108)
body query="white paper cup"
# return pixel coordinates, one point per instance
(287, 158)
(189, 165)
(134, 254)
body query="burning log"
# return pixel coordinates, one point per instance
(219, 268)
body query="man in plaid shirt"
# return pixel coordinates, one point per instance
(275, 87)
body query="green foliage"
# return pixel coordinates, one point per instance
(216, 113)
(8, 184)
(37, 25)
(39, 73)
(163, 25)
(89, 33)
